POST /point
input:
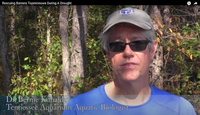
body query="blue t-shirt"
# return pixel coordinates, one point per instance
(96, 102)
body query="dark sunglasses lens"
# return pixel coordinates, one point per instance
(117, 46)
(138, 45)
(135, 46)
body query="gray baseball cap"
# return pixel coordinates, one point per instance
(129, 15)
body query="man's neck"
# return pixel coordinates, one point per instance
(127, 93)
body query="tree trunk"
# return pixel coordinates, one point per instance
(6, 68)
(78, 49)
(156, 66)
(48, 57)
(82, 12)
(12, 30)
(65, 52)
(166, 18)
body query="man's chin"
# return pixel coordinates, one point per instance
(130, 78)
(128, 75)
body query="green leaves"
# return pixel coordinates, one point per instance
(185, 57)
(80, 84)
(27, 59)
(45, 87)
(37, 92)
(37, 76)
(26, 67)
(77, 78)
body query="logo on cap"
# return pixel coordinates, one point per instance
(126, 11)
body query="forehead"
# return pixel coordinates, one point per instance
(124, 31)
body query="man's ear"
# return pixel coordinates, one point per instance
(154, 48)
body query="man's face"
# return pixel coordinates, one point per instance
(130, 65)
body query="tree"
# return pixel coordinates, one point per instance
(78, 49)
(65, 52)
(7, 72)
(83, 22)
(48, 56)
(12, 30)
(156, 66)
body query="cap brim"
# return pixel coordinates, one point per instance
(144, 26)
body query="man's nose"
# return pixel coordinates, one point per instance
(128, 52)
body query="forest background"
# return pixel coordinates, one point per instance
(55, 50)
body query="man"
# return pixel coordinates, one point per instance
(129, 41)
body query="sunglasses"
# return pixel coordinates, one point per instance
(139, 45)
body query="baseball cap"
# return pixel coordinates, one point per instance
(129, 15)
